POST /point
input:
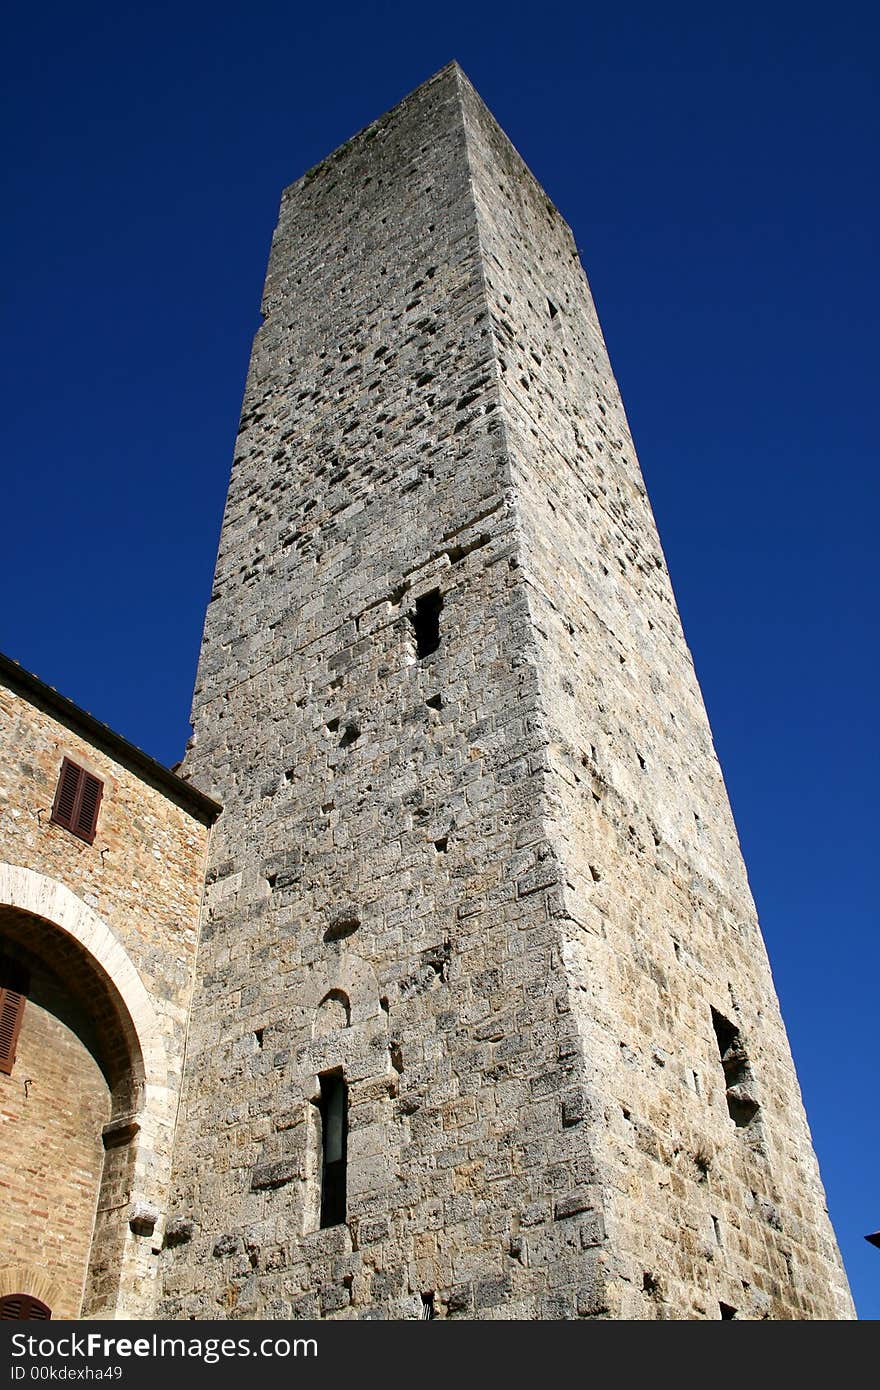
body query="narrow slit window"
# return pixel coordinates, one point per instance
(77, 801)
(741, 1104)
(425, 621)
(334, 1146)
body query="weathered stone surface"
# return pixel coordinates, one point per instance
(476, 849)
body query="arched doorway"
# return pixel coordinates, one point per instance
(83, 1096)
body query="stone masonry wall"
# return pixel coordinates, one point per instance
(660, 924)
(380, 892)
(497, 884)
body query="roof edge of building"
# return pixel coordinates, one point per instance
(25, 683)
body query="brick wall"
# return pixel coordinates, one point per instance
(52, 1110)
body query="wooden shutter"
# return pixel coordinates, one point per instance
(77, 801)
(21, 1306)
(87, 811)
(12, 1004)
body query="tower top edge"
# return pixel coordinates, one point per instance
(466, 96)
(451, 72)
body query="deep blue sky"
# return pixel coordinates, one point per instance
(718, 166)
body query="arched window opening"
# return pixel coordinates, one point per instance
(22, 1307)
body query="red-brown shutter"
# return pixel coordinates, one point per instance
(77, 801)
(11, 1013)
(87, 811)
(21, 1306)
(66, 794)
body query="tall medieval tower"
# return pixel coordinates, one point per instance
(484, 1024)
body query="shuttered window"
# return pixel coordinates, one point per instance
(21, 1306)
(77, 800)
(11, 1013)
(14, 987)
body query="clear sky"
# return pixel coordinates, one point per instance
(718, 167)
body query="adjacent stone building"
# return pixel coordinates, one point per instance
(482, 1023)
(98, 933)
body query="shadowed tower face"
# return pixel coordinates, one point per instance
(484, 1022)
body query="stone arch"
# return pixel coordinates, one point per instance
(334, 1011)
(35, 912)
(54, 903)
(352, 977)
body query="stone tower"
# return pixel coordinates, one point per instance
(484, 1024)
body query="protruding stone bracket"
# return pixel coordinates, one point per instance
(120, 1131)
(142, 1217)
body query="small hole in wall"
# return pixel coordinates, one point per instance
(383, 1003)
(350, 735)
(696, 1077)
(727, 1312)
(677, 949)
(716, 1226)
(272, 881)
(428, 1310)
(396, 1054)
(435, 702)
(442, 844)
(342, 924)
(258, 1034)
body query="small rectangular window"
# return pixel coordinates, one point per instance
(77, 801)
(334, 1146)
(425, 622)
